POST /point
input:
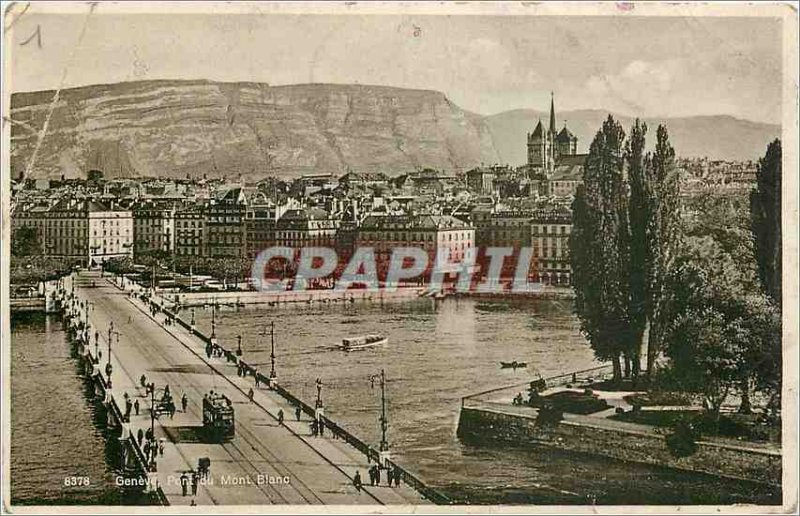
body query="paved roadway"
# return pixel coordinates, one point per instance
(251, 468)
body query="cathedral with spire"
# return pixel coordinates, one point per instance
(553, 160)
(548, 147)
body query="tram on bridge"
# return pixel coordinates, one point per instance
(218, 420)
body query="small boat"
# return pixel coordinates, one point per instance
(513, 365)
(366, 341)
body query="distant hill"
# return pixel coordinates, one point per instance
(717, 137)
(175, 128)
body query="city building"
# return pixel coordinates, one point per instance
(431, 233)
(481, 180)
(190, 234)
(225, 228)
(110, 232)
(153, 227)
(32, 216)
(81, 229)
(550, 231)
(306, 227)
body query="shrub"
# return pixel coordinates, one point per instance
(549, 416)
(570, 402)
(682, 441)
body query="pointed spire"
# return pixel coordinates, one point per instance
(552, 114)
(537, 133)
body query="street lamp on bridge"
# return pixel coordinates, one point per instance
(214, 321)
(384, 422)
(272, 374)
(111, 332)
(318, 402)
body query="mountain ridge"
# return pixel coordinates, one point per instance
(196, 127)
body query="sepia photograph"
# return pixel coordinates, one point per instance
(399, 257)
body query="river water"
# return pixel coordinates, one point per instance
(57, 433)
(437, 353)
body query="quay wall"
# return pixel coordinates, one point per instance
(46, 299)
(481, 424)
(307, 296)
(544, 293)
(27, 304)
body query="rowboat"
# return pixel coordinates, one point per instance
(362, 342)
(513, 365)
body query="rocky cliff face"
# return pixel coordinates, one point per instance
(175, 128)
(196, 128)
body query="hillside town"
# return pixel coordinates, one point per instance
(97, 219)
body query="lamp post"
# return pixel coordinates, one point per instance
(384, 422)
(213, 321)
(153, 409)
(272, 374)
(96, 344)
(318, 402)
(111, 332)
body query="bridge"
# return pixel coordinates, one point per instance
(266, 462)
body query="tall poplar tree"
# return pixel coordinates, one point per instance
(662, 237)
(600, 249)
(641, 212)
(765, 214)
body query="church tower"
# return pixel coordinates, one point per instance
(541, 146)
(537, 150)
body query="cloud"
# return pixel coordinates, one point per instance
(700, 84)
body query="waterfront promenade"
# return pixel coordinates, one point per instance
(266, 462)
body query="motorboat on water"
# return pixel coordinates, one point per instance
(362, 342)
(513, 365)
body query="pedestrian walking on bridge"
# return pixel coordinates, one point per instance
(280, 416)
(250, 394)
(357, 481)
(184, 483)
(136, 407)
(297, 412)
(184, 402)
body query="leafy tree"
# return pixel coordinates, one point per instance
(701, 355)
(641, 210)
(28, 270)
(720, 337)
(765, 212)
(661, 235)
(119, 265)
(600, 249)
(25, 241)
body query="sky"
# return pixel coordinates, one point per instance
(640, 66)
